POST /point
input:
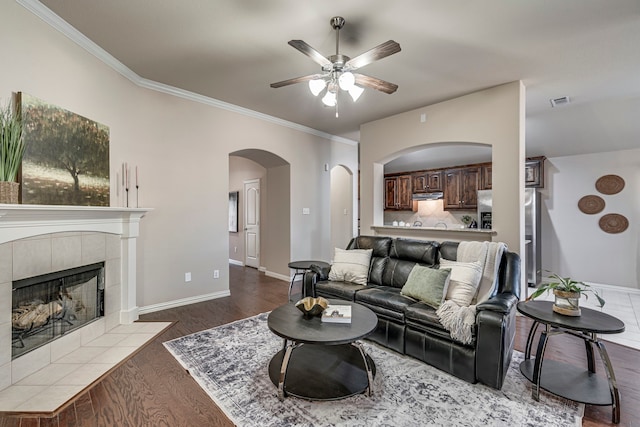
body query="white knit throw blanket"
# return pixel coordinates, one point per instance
(459, 321)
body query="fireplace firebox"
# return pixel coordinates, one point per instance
(46, 307)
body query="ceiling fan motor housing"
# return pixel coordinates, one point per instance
(337, 62)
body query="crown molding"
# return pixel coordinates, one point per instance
(55, 21)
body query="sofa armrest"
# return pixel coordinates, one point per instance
(500, 303)
(309, 281)
(496, 323)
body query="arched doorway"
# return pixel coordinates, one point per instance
(273, 175)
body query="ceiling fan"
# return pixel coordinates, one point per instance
(337, 70)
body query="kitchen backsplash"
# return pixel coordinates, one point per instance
(431, 214)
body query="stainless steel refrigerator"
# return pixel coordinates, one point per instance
(531, 229)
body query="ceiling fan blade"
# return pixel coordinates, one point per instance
(381, 51)
(297, 80)
(311, 53)
(375, 83)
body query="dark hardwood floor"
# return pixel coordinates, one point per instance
(151, 389)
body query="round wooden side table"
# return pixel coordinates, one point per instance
(566, 380)
(300, 268)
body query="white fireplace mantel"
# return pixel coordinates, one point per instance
(25, 221)
(22, 221)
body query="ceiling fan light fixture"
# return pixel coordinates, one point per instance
(346, 80)
(337, 70)
(330, 99)
(316, 86)
(355, 92)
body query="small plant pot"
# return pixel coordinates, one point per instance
(9, 192)
(566, 303)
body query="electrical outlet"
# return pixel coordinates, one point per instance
(187, 277)
(235, 249)
(216, 274)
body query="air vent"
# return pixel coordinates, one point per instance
(559, 102)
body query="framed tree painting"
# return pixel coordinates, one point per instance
(66, 159)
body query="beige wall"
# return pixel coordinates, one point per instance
(494, 116)
(276, 228)
(573, 244)
(181, 148)
(341, 207)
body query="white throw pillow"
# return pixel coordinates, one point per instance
(351, 265)
(464, 281)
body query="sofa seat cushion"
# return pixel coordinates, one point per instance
(385, 300)
(420, 316)
(340, 290)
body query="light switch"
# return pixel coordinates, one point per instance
(306, 211)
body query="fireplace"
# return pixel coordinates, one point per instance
(48, 306)
(37, 241)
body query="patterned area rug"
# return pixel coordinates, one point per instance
(230, 363)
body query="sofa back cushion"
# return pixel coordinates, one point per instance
(381, 247)
(449, 250)
(404, 255)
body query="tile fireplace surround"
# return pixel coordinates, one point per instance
(36, 240)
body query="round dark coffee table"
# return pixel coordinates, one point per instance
(322, 361)
(563, 379)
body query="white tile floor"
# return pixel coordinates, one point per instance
(623, 305)
(49, 388)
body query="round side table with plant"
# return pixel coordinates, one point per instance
(567, 294)
(11, 151)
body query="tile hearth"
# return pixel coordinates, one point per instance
(49, 388)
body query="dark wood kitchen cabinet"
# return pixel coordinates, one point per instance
(485, 181)
(460, 188)
(397, 193)
(427, 181)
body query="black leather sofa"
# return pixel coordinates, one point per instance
(413, 328)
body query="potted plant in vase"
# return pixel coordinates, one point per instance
(469, 221)
(11, 151)
(567, 294)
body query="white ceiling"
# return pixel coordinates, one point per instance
(232, 50)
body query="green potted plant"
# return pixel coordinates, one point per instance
(567, 294)
(11, 151)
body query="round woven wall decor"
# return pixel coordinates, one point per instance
(591, 204)
(613, 223)
(610, 184)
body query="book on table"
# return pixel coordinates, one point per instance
(337, 314)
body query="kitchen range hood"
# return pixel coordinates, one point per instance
(428, 196)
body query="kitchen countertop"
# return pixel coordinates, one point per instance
(455, 230)
(436, 233)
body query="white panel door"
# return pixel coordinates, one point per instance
(252, 222)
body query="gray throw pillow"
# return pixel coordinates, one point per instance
(428, 285)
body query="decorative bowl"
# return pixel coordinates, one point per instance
(312, 306)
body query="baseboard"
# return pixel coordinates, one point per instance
(277, 276)
(236, 262)
(129, 316)
(184, 301)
